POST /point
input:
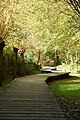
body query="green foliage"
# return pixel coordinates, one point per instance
(73, 68)
(45, 26)
(23, 68)
(9, 60)
(32, 67)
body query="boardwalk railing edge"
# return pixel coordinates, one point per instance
(57, 77)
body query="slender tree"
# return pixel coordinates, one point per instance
(75, 4)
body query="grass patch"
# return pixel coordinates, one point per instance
(5, 82)
(69, 87)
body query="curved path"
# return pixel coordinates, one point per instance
(29, 98)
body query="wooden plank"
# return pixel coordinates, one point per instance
(29, 98)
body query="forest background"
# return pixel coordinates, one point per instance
(38, 32)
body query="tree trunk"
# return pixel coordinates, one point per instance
(76, 57)
(39, 54)
(55, 60)
(2, 44)
(23, 65)
(72, 61)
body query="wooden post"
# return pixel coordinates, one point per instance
(22, 51)
(16, 51)
(2, 44)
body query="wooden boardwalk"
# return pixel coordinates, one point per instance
(29, 98)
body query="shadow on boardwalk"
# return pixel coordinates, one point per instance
(29, 98)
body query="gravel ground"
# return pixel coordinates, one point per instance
(70, 106)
